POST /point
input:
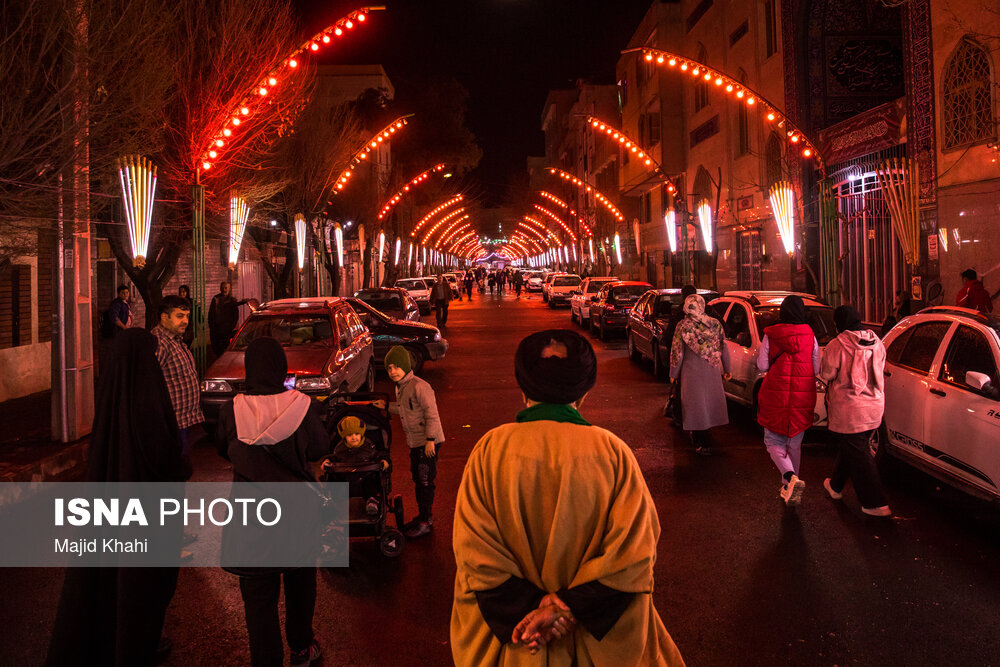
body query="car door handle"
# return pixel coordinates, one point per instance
(938, 392)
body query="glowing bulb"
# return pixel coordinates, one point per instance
(795, 138)
(729, 88)
(349, 24)
(227, 132)
(671, 62)
(262, 90)
(206, 165)
(213, 154)
(361, 18)
(659, 60)
(708, 77)
(236, 121)
(696, 71)
(751, 101)
(338, 32)
(220, 143)
(326, 39)
(718, 81)
(770, 116)
(293, 63)
(739, 93)
(684, 66)
(649, 57)
(807, 152)
(244, 111)
(314, 46)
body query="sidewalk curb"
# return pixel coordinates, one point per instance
(44, 470)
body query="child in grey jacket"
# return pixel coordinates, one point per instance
(417, 409)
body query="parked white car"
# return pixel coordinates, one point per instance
(942, 397)
(420, 290)
(579, 304)
(562, 287)
(745, 315)
(534, 282)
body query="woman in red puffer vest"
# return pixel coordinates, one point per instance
(789, 355)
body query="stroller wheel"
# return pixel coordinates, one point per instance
(391, 542)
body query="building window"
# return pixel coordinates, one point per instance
(739, 33)
(622, 93)
(707, 129)
(968, 99)
(649, 129)
(770, 28)
(742, 122)
(15, 306)
(701, 88)
(772, 160)
(697, 13)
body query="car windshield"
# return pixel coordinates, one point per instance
(566, 281)
(625, 292)
(820, 318)
(596, 285)
(306, 329)
(411, 285)
(382, 301)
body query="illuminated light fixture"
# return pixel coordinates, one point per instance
(220, 143)
(300, 239)
(770, 116)
(338, 32)
(590, 244)
(381, 245)
(555, 218)
(588, 188)
(636, 148)
(425, 254)
(739, 93)
(708, 77)
(438, 209)
(256, 92)
(684, 66)
(226, 132)
(338, 235)
(456, 227)
(783, 208)
(444, 220)
(138, 179)
(399, 244)
(751, 101)
(362, 153)
(212, 153)
(574, 253)
(409, 255)
(718, 81)
(649, 57)
(807, 152)
(618, 248)
(387, 207)
(705, 220)
(239, 212)
(670, 219)
(660, 60)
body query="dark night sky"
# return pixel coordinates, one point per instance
(507, 53)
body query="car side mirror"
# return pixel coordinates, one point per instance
(978, 381)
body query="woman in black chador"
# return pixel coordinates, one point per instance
(114, 616)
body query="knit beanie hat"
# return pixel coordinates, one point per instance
(350, 426)
(399, 357)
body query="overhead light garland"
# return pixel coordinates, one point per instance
(705, 221)
(138, 179)
(370, 146)
(239, 212)
(414, 182)
(457, 227)
(438, 209)
(443, 221)
(586, 187)
(461, 241)
(744, 94)
(528, 228)
(560, 203)
(630, 146)
(555, 218)
(783, 206)
(257, 96)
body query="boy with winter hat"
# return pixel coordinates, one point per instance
(417, 409)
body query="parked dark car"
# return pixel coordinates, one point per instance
(609, 309)
(393, 301)
(329, 351)
(422, 340)
(648, 322)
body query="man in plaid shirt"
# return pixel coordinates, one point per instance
(178, 367)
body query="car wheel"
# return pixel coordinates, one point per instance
(391, 542)
(370, 379)
(633, 353)
(417, 357)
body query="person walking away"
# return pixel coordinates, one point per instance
(119, 312)
(852, 367)
(417, 409)
(699, 351)
(469, 282)
(973, 295)
(518, 281)
(441, 295)
(676, 315)
(567, 573)
(789, 355)
(271, 434)
(223, 316)
(178, 367)
(114, 616)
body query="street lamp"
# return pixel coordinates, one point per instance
(138, 179)
(705, 221)
(238, 214)
(670, 220)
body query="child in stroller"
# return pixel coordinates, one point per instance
(361, 458)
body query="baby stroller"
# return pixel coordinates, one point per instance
(367, 481)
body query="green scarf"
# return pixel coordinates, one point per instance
(551, 412)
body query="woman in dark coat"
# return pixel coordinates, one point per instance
(114, 616)
(270, 434)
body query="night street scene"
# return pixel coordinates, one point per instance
(500, 332)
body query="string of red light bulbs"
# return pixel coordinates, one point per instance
(257, 95)
(369, 146)
(417, 180)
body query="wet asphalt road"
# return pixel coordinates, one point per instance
(741, 580)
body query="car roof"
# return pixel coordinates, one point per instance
(966, 314)
(769, 298)
(626, 283)
(678, 290)
(329, 302)
(394, 290)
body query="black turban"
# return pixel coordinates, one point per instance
(554, 378)
(793, 310)
(266, 366)
(847, 319)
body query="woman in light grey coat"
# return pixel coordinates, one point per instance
(699, 352)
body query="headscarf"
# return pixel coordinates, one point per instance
(847, 319)
(135, 436)
(701, 332)
(266, 367)
(546, 376)
(793, 310)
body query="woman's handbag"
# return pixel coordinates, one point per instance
(670, 406)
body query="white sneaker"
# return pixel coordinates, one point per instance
(791, 493)
(829, 490)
